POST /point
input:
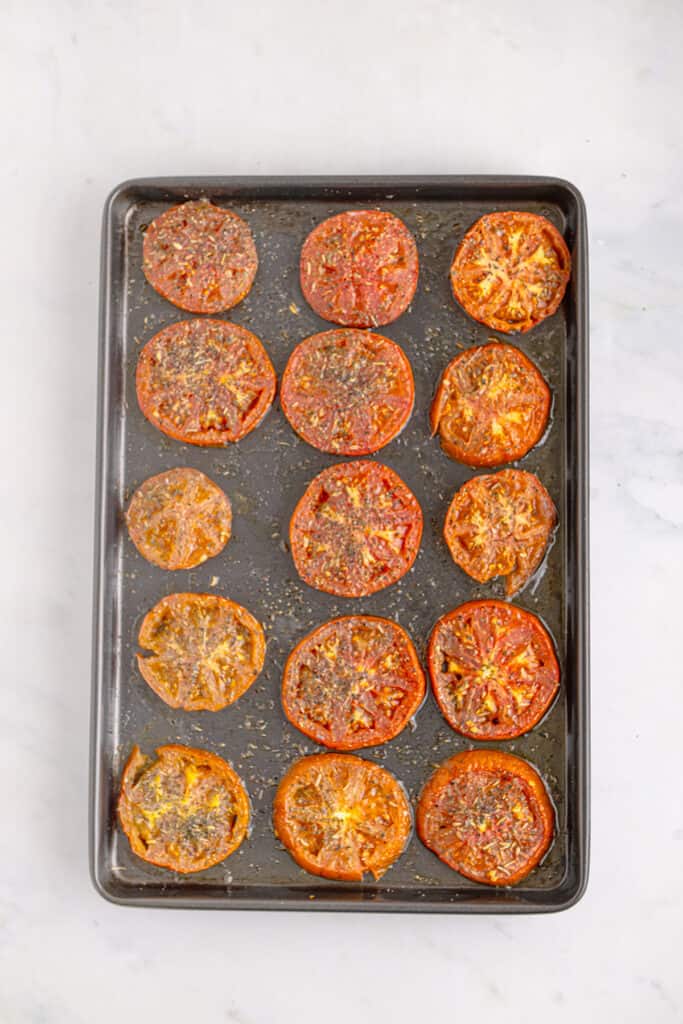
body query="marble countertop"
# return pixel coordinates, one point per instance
(95, 93)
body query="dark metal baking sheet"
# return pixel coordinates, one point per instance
(264, 475)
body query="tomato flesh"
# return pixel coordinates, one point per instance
(179, 518)
(511, 270)
(342, 817)
(493, 669)
(356, 530)
(205, 651)
(359, 268)
(500, 525)
(205, 382)
(184, 810)
(347, 392)
(353, 682)
(487, 815)
(491, 406)
(200, 257)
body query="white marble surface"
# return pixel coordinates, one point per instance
(96, 92)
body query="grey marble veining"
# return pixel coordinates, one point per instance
(94, 93)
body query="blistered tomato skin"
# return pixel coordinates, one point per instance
(359, 268)
(491, 406)
(203, 651)
(493, 669)
(353, 682)
(200, 257)
(500, 524)
(356, 530)
(347, 392)
(179, 518)
(342, 817)
(487, 815)
(511, 270)
(205, 382)
(185, 810)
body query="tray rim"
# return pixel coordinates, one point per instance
(479, 903)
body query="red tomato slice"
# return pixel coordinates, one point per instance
(359, 268)
(200, 257)
(493, 669)
(342, 817)
(179, 518)
(204, 651)
(491, 407)
(184, 810)
(487, 815)
(500, 525)
(511, 270)
(356, 530)
(347, 392)
(205, 382)
(353, 682)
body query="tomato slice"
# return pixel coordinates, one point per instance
(179, 518)
(353, 682)
(500, 525)
(205, 651)
(205, 382)
(359, 268)
(200, 257)
(493, 669)
(356, 530)
(511, 270)
(342, 817)
(347, 392)
(487, 815)
(184, 810)
(491, 406)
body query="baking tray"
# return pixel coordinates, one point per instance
(264, 475)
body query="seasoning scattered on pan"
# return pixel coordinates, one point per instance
(500, 525)
(200, 257)
(487, 815)
(359, 268)
(205, 382)
(353, 682)
(342, 817)
(184, 810)
(491, 406)
(493, 669)
(205, 651)
(179, 518)
(511, 270)
(356, 530)
(347, 392)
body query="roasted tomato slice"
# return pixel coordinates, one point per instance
(179, 518)
(487, 815)
(205, 382)
(491, 406)
(347, 392)
(353, 682)
(356, 530)
(200, 257)
(493, 669)
(206, 651)
(500, 525)
(184, 810)
(359, 268)
(342, 817)
(511, 270)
